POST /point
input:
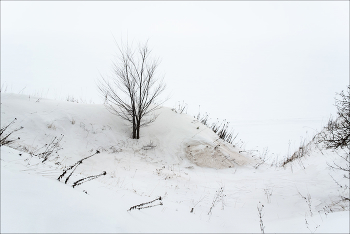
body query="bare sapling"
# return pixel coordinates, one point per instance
(133, 91)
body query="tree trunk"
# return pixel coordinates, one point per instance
(138, 132)
(138, 125)
(134, 128)
(133, 132)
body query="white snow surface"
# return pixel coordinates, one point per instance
(223, 196)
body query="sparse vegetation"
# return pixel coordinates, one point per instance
(219, 197)
(149, 146)
(51, 126)
(50, 148)
(5, 140)
(222, 130)
(263, 157)
(171, 178)
(308, 226)
(180, 108)
(204, 119)
(86, 179)
(114, 150)
(268, 193)
(304, 150)
(73, 167)
(260, 208)
(3, 88)
(195, 204)
(71, 99)
(308, 202)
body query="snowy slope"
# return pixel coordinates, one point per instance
(176, 158)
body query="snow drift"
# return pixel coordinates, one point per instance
(206, 185)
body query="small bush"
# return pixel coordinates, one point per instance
(336, 135)
(337, 132)
(222, 130)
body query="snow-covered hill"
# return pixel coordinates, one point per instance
(193, 181)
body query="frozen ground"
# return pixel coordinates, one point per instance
(203, 187)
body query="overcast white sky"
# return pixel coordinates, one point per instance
(238, 60)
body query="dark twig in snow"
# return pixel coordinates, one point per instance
(142, 205)
(73, 167)
(3, 139)
(86, 179)
(50, 148)
(262, 227)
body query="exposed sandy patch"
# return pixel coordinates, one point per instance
(219, 156)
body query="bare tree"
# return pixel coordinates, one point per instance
(133, 90)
